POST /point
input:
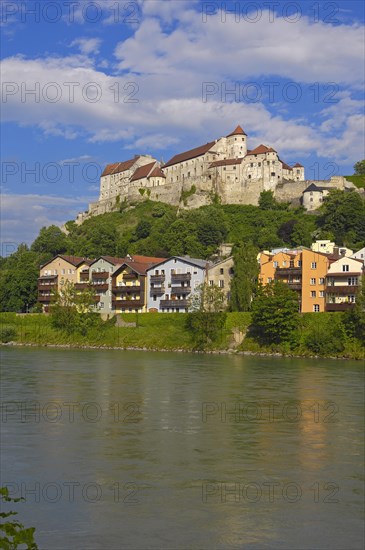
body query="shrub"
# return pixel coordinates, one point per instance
(7, 334)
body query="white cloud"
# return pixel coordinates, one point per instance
(87, 46)
(27, 214)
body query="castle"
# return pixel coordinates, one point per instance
(222, 168)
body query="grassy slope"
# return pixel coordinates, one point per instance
(359, 181)
(156, 331)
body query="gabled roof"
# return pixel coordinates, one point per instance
(238, 131)
(285, 165)
(157, 173)
(118, 167)
(111, 259)
(317, 188)
(261, 150)
(73, 260)
(144, 259)
(143, 171)
(297, 165)
(225, 162)
(186, 259)
(139, 267)
(192, 153)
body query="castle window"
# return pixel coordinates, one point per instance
(249, 177)
(259, 164)
(251, 164)
(273, 173)
(234, 167)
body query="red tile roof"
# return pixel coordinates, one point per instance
(143, 171)
(297, 165)
(192, 153)
(145, 259)
(261, 150)
(285, 165)
(73, 260)
(139, 264)
(225, 162)
(157, 173)
(111, 259)
(237, 131)
(119, 167)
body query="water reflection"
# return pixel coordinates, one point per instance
(150, 431)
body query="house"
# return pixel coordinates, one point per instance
(129, 288)
(342, 283)
(313, 196)
(303, 270)
(328, 247)
(100, 272)
(359, 255)
(172, 282)
(53, 275)
(220, 274)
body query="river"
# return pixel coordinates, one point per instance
(117, 450)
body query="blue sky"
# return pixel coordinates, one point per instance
(112, 79)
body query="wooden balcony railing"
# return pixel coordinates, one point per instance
(157, 290)
(342, 289)
(179, 277)
(340, 307)
(174, 303)
(284, 271)
(100, 275)
(120, 304)
(157, 278)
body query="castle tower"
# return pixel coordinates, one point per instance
(237, 143)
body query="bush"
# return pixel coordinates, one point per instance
(7, 334)
(325, 339)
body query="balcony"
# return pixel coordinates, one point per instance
(44, 298)
(100, 287)
(43, 287)
(120, 304)
(157, 290)
(84, 276)
(295, 286)
(157, 278)
(128, 289)
(100, 275)
(174, 303)
(181, 289)
(285, 271)
(342, 289)
(82, 286)
(129, 276)
(180, 277)
(346, 306)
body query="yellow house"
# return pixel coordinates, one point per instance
(54, 274)
(303, 270)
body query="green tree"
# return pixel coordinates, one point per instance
(275, 314)
(51, 240)
(244, 282)
(359, 168)
(73, 311)
(267, 201)
(13, 534)
(207, 318)
(343, 214)
(19, 280)
(354, 319)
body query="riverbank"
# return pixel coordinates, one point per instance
(167, 333)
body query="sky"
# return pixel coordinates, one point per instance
(88, 83)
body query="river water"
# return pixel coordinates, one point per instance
(139, 450)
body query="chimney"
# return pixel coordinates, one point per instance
(336, 251)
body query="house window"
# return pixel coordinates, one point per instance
(221, 271)
(321, 281)
(346, 267)
(321, 294)
(154, 298)
(276, 264)
(316, 308)
(221, 283)
(284, 263)
(352, 298)
(314, 265)
(313, 281)
(352, 281)
(299, 263)
(269, 279)
(313, 294)
(63, 271)
(211, 283)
